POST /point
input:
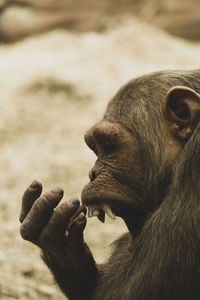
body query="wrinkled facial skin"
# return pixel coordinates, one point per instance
(138, 144)
(115, 174)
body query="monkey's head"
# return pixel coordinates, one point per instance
(138, 142)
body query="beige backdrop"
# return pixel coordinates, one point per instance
(53, 87)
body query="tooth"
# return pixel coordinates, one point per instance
(92, 212)
(95, 213)
(89, 213)
(109, 212)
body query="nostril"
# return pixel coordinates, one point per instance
(92, 175)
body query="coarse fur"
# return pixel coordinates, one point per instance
(163, 262)
(147, 171)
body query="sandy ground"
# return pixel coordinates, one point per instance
(53, 87)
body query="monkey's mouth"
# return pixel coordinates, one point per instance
(101, 200)
(99, 204)
(111, 198)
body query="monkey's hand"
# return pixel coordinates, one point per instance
(59, 234)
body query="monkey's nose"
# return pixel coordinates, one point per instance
(103, 134)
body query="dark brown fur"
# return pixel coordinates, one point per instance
(148, 148)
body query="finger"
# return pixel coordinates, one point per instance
(54, 231)
(75, 238)
(81, 208)
(39, 214)
(76, 247)
(31, 194)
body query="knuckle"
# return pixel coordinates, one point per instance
(68, 208)
(62, 210)
(58, 213)
(43, 201)
(41, 204)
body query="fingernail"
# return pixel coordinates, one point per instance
(75, 201)
(58, 191)
(35, 184)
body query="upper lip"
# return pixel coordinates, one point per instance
(101, 202)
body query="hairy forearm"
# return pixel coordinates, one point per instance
(76, 284)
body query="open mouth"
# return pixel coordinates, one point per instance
(105, 197)
(101, 201)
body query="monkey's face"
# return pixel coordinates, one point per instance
(116, 175)
(127, 179)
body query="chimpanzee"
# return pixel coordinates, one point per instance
(148, 173)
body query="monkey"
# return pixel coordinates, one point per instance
(147, 172)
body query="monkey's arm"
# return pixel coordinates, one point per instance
(76, 282)
(62, 244)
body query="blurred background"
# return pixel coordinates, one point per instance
(60, 63)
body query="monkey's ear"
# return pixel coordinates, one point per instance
(183, 111)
